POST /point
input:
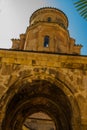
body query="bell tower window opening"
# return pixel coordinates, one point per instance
(46, 41)
(49, 19)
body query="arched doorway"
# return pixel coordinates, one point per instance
(39, 96)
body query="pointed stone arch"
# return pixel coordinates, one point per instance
(41, 88)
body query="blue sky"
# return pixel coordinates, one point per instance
(15, 14)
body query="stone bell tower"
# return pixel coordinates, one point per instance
(47, 32)
(43, 77)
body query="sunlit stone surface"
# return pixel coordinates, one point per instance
(43, 77)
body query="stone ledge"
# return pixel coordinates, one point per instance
(43, 59)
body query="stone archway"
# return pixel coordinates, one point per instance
(39, 96)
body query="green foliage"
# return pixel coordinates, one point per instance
(81, 6)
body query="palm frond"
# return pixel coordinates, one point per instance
(81, 6)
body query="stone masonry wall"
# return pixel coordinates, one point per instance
(71, 70)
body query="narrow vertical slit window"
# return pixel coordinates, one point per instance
(46, 41)
(49, 19)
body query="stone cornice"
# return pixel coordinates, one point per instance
(52, 24)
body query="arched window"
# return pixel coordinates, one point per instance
(49, 19)
(46, 41)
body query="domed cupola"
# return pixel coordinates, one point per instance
(49, 15)
(47, 32)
